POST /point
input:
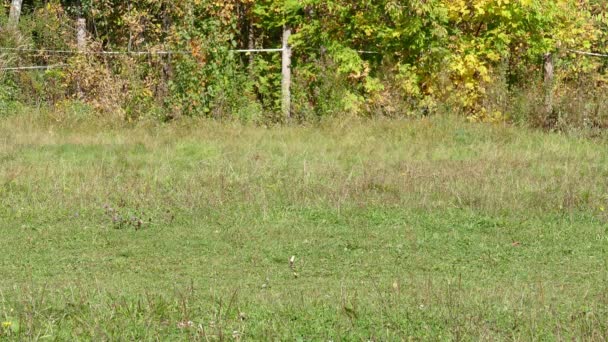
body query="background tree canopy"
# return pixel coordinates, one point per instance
(482, 58)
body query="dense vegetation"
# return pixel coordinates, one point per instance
(482, 58)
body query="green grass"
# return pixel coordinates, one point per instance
(429, 229)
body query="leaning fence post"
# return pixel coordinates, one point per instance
(15, 13)
(81, 43)
(286, 74)
(548, 82)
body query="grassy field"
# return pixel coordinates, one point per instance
(425, 229)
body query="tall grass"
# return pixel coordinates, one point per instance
(403, 229)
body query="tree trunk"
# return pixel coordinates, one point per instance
(250, 45)
(163, 91)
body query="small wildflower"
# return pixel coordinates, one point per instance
(7, 325)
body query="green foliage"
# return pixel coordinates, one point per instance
(377, 55)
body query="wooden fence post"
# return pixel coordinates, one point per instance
(286, 74)
(81, 43)
(15, 13)
(548, 80)
(81, 34)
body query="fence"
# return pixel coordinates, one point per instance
(285, 61)
(81, 43)
(548, 69)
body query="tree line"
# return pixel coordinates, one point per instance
(482, 58)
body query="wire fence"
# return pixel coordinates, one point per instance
(35, 67)
(17, 51)
(76, 52)
(151, 52)
(285, 63)
(82, 50)
(585, 53)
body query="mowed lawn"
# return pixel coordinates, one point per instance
(429, 229)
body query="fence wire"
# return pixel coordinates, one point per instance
(151, 52)
(16, 51)
(166, 53)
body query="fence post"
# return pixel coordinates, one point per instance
(548, 80)
(286, 74)
(15, 13)
(81, 34)
(81, 43)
